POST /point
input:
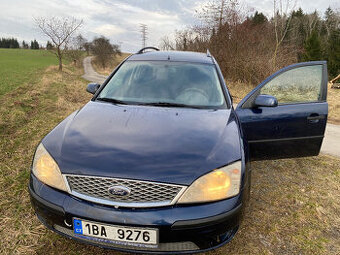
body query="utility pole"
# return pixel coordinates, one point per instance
(221, 14)
(144, 31)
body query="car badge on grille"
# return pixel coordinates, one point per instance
(121, 191)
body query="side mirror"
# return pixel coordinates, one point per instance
(266, 101)
(92, 87)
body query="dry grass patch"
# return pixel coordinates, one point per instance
(333, 99)
(239, 90)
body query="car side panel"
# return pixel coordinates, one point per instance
(287, 130)
(276, 132)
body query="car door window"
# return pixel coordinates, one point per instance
(298, 85)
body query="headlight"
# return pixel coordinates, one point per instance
(216, 185)
(47, 170)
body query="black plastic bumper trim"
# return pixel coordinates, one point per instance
(204, 222)
(285, 139)
(144, 251)
(48, 205)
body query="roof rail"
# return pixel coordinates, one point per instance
(208, 53)
(147, 48)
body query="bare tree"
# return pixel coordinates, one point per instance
(166, 43)
(74, 55)
(281, 20)
(80, 41)
(87, 47)
(59, 30)
(104, 50)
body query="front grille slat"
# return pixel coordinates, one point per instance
(143, 193)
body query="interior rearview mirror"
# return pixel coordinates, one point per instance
(266, 101)
(92, 87)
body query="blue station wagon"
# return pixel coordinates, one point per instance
(159, 160)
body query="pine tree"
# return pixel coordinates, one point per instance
(333, 53)
(312, 48)
(23, 44)
(34, 45)
(49, 45)
(259, 18)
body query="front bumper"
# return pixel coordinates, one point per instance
(182, 229)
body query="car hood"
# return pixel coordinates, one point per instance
(173, 145)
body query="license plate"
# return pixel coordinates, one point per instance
(118, 234)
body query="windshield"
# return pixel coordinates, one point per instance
(165, 83)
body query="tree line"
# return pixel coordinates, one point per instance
(13, 43)
(9, 43)
(251, 47)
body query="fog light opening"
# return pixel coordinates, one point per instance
(68, 225)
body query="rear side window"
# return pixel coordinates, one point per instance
(299, 85)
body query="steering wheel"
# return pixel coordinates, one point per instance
(195, 90)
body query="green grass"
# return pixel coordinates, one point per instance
(19, 66)
(28, 113)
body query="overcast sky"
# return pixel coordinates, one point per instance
(119, 19)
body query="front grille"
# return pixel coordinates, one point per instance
(142, 193)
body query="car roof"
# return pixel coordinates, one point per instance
(185, 56)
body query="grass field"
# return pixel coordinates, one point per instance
(294, 206)
(18, 66)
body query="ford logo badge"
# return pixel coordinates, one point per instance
(121, 191)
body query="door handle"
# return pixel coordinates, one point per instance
(314, 118)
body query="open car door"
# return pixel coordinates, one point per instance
(285, 116)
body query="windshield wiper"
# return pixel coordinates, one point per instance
(168, 104)
(111, 100)
(162, 104)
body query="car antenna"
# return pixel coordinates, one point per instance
(208, 53)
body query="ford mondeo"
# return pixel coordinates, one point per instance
(158, 160)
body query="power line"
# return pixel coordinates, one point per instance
(144, 32)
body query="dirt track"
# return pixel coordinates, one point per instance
(90, 74)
